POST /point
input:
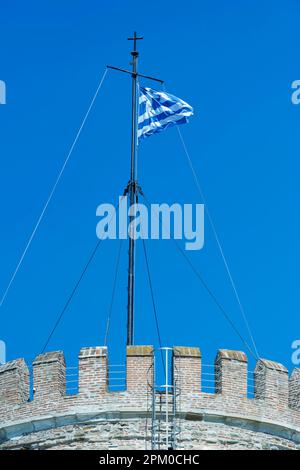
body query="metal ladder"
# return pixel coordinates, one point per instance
(165, 407)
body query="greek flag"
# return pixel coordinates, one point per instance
(159, 110)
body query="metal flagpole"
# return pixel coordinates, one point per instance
(132, 188)
(133, 194)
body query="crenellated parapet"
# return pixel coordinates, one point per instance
(274, 407)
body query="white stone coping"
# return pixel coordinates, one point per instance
(82, 415)
(252, 423)
(17, 429)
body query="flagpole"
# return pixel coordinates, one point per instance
(133, 196)
(132, 189)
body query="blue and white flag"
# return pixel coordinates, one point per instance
(159, 110)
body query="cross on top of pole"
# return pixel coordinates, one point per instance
(134, 54)
(135, 39)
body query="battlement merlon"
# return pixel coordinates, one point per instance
(14, 383)
(49, 376)
(294, 390)
(187, 369)
(271, 383)
(92, 372)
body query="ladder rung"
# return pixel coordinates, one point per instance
(165, 406)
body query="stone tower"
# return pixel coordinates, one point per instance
(97, 418)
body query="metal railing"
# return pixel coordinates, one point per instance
(211, 381)
(71, 380)
(116, 379)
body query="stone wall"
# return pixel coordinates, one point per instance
(96, 418)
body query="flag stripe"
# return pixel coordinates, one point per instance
(175, 119)
(157, 127)
(162, 112)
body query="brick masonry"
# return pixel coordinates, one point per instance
(96, 418)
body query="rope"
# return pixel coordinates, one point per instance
(154, 305)
(60, 316)
(233, 285)
(60, 174)
(212, 295)
(214, 298)
(113, 293)
(71, 295)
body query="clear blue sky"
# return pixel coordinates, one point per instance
(234, 62)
